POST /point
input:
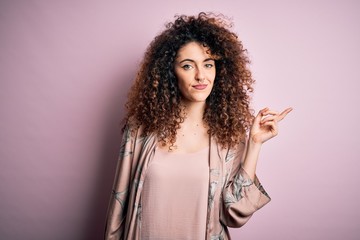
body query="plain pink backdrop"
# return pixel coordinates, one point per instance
(66, 67)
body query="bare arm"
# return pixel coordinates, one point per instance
(265, 127)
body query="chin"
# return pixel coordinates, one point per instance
(203, 99)
(196, 97)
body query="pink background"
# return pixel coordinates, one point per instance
(65, 69)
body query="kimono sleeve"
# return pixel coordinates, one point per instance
(241, 196)
(116, 215)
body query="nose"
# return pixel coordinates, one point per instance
(199, 75)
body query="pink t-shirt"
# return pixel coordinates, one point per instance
(174, 196)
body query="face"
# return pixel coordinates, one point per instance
(195, 71)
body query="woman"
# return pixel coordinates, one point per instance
(187, 168)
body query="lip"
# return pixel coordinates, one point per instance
(200, 86)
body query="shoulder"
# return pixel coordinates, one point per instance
(237, 151)
(135, 132)
(131, 128)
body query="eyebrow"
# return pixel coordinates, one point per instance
(190, 60)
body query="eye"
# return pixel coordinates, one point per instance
(209, 65)
(187, 67)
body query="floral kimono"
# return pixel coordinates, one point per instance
(232, 197)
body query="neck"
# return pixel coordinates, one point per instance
(194, 111)
(193, 133)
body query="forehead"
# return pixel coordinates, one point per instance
(193, 50)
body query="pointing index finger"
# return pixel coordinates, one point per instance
(284, 113)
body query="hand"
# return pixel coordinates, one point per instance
(265, 125)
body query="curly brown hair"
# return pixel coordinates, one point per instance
(154, 99)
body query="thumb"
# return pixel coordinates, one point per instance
(260, 115)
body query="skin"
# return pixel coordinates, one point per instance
(195, 71)
(264, 127)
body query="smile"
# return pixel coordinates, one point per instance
(200, 86)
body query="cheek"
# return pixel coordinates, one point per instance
(183, 81)
(213, 75)
(183, 86)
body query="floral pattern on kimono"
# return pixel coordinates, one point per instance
(232, 197)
